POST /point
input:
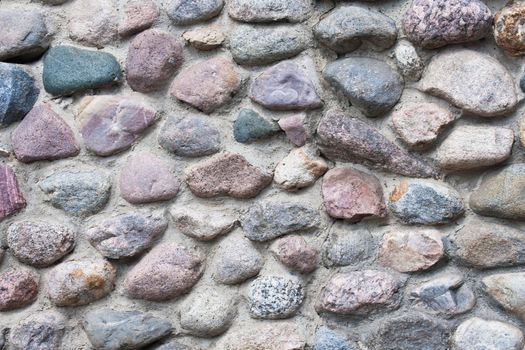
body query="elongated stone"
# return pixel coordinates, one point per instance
(250, 126)
(185, 12)
(11, 197)
(265, 336)
(259, 11)
(477, 333)
(203, 223)
(139, 15)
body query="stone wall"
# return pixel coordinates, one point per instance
(261, 174)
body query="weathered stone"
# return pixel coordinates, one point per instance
(343, 137)
(346, 27)
(346, 246)
(419, 124)
(507, 289)
(93, 23)
(77, 192)
(408, 60)
(260, 44)
(301, 168)
(80, 282)
(425, 202)
(250, 126)
(327, 339)
(185, 12)
(166, 272)
(207, 85)
(295, 253)
(432, 24)
(153, 57)
(126, 235)
(139, 15)
(18, 93)
(294, 128)
(269, 10)
(174, 345)
(24, 35)
(274, 297)
(18, 288)
(209, 312)
(203, 223)
(369, 84)
(206, 38)
(68, 70)
(357, 293)
(477, 333)
(108, 329)
(226, 174)
(508, 30)
(40, 331)
(11, 198)
(284, 87)
(474, 82)
(43, 135)
(236, 260)
(268, 220)
(39, 243)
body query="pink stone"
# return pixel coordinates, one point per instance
(294, 128)
(11, 198)
(295, 253)
(43, 135)
(140, 15)
(17, 289)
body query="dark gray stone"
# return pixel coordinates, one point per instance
(346, 245)
(269, 10)
(40, 331)
(185, 12)
(327, 339)
(250, 126)
(274, 297)
(18, 93)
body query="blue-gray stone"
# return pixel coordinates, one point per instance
(68, 70)
(18, 93)
(327, 339)
(522, 83)
(184, 12)
(250, 126)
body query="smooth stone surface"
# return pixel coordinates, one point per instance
(346, 245)
(139, 15)
(11, 197)
(44, 330)
(344, 137)
(18, 93)
(39, 243)
(18, 288)
(273, 297)
(203, 223)
(477, 333)
(472, 81)
(296, 254)
(205, 38)
(408, 60)
(299, 169)
(507, 290)
(185, 12)
(283, 87)
(250, 126)
(369, 84)
(236, 260)
(43, 135)
(294, 128)
(327, 339)
(68, 70)
(93, 23)
(508, 30)
(258, 11)
(126, 235)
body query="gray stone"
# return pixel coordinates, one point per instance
(18, 93)
(236, 260)
(173, 345)
(269, 10)
(203, 223)
(327, 339)
(93, 23)
(477, 333)
(346, 245)
(40, 331)
(250, 126)
(408, 61)
(274, 297)
(185, 12)
(507, 289)
(299, 169)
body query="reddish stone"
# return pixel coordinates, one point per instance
(294, 128)
(140, 15)
(295, 253)
(11, 198)
(17, 289)
(43, 135)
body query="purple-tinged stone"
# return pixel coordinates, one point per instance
(294, 128)
(18, 288)
(140, 15)
(11, 198)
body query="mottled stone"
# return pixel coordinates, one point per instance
(77, 192)
(250, 126)
(327, 339)
(11, 197)
(40, 331)
(472, 81)
(236, 260)
(126, 235)
(185, 12)
(369, 84)
(269, 10)
(408, 60)
(477, 333)
(227, 174)
(507, 290)
(435, 23)
(508, 28)
(296, 254)
(344, 137)
(301, 168)
(18, 288)
(153, 57)
(207, 85)
(68, 70)
(259, 44)
(346, 245)
(273, 297)
(265, 221)
(285, 86)
(93, 22)
(166, 272)
(18, 93)
(294, 128)
(111, 124)
(139, 15)
(39, 243)
(205, 38)
(24, 34)
(346, 27)
(145, 178)
(357, 293)
(203, 223)
(425, 202)
(109, 329)
(43, 135)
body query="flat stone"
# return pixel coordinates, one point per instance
(146, 178)
(273, 297)
(190, 135)
(207, 85)
(205, 38)
(24, 36)
(258, 11)
(93, 23)
(474, 82)
(477, 333)
(68, 70)
(153, 57)
(209, 312)
(109, 329)
(250, 126)
(203, 223)
(346, 27)
(111, 124)
(126, 235)
(294, 128)
(18, 93)
(259, 44)
(236, 260)
(265, 221)
(299, 169)
(508, 30)
(283, 87)
(39, 243)
(166, 272)
(425, 203)
(43, 135)
(499, 194)
(432, 24)
(347, 138)
(408, 60)
(411, 251)
(139, 15)
(226, 174)
(507, 290)
(80, 282)
(11, 197)
(420, 124)
(327, 339)
(296, 254)
(44, 330)
(346, 246)
(369, 84)
(77, 192)
(357, 293)
(18, 288)
(185, 12)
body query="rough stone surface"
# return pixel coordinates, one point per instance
(269, 10)
(206, 38)
(327, 339)
(296, 254)
(93, 23)
(294, 128)
(300, 169)
(203, 223)
(236, 260)
(185, 12)
(250, 126)
(346, 245)
(273, 297)
(507, 290)
(139, 15)
(408, 60)
(18, 93)
(40, 331)
(477, 333)
(11, 197)
(18, 288)
(508, 29)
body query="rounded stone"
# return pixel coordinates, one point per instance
(346, 246)
(18, 288)
(259, 11)
(18, 93)
(508, 30)
(295, 129)
(477, 333)
(93, 23)
(507, 290)
(250, 126)
(41, 331)
(236, 260)
(185, 12)
(274, 297)
(139, 15)
(408, 60)
(295, 253)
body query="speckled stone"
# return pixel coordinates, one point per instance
(507, 290)
(295, 129)
(236, 260)
(203, 223)
(11, 197)
(250, 126)
(346, 245)
(259, 11)
(18, 288)
(139, 15)
(273, 297)
(93, 23)
(185, 12)
(18, 93)
(408, 60)
(43, 330)
(508, 30)
(477, 333)
(296, 254)
(299, 169)
(327, 339)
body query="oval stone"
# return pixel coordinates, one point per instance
(18, 288)
(18, 93)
